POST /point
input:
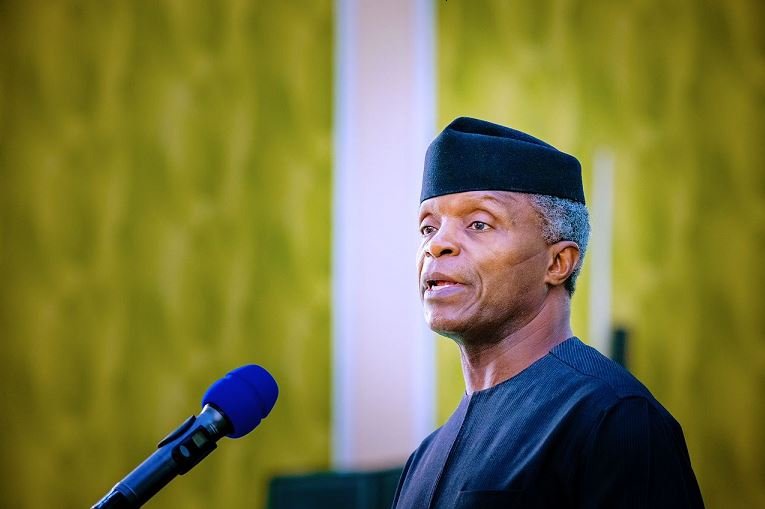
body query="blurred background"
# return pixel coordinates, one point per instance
(173, 185)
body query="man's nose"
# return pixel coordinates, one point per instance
(442, 243)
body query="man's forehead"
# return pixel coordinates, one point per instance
(469, 200)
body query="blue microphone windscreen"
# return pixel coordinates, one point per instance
(245, 396)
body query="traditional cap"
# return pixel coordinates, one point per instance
(475, 155)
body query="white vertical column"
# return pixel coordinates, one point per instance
(602, 209)
(383, 366)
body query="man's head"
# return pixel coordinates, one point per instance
(503, 226)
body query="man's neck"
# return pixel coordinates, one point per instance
(486, 365)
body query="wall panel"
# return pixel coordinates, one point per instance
(165, 189)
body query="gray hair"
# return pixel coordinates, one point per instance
(564, 220)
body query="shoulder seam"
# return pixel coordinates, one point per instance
(604, 382)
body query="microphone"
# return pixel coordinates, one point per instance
(233, 406)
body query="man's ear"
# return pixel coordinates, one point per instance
(564, 256)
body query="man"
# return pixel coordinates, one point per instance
(546, 421)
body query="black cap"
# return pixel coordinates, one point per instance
(475, 155)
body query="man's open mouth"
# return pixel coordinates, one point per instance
(439, 283)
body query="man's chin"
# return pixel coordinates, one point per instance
(446, 326)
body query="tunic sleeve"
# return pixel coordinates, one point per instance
(636, 457)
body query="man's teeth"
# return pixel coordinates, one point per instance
(442, 283)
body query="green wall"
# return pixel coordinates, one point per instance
(165, 180)
(676, 91)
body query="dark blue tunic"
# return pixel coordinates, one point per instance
(574, 429)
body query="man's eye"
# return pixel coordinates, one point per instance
(427, 230)
(479, 226)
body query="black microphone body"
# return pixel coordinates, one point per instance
(176, 454)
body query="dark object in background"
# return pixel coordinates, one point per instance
(334, 490)
(619, 338)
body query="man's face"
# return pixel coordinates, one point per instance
(482, 263)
